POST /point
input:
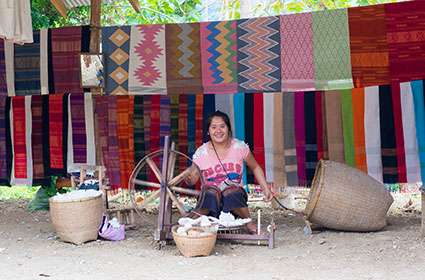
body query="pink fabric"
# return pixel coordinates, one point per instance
(297, 59)
(212, 171)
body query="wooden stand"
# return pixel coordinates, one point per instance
(125, 214)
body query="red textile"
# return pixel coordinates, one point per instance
(19, 142)
(399, 136)
(56, 131)
(406, 40)
(258, 148)
(368, 46)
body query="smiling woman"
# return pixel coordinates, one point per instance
(221, 162)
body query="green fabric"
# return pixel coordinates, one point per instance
(348, 126)
(331, 43)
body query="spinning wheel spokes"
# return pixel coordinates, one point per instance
(163, 184)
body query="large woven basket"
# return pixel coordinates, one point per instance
(191, 246)
(345, 198)
(77, 221)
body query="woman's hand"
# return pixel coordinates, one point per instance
(267, 191)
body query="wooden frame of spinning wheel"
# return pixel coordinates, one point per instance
(165, 192)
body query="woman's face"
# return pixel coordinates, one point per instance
(218, 130)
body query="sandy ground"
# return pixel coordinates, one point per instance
(29, 249)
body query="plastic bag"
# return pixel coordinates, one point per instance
(111, 230)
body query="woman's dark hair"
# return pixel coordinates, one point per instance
(222, 115)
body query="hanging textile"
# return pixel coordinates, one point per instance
(209, 108)
(358, 108)
(419, 108)
(331, 50)
(139, 137)
(297, 52)
(5, 141)
(37, 140)
(373, 133)
(310, 135)
(405, 23)
(300, 137)
(9, 49)
(15, 21)
(165, 119)
(259, 54)
(413, 169)
(398, 126)
(218, 54)
(278, 152)
(249, 129)
(3, 83)
(66, 49)
(174, 119)
(199, 120)
(20, 121)
(388, 138)
(113, 163)
(289, 140)
(184, 74)
(258, 129)
(125, 132)
(191, 125)
(182, 132)
(56, 131)
(101, 113)
(77, 130)
(320, 121)
(334, 126)
(147, 74)
(268, 135)
(368, 46)
(116, 49)
(27, 67)
(347, 126)
(44, 61)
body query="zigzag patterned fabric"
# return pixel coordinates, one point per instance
(147, 74)
(218, 53)
(259, 54)
(116, 48)
(184, 74)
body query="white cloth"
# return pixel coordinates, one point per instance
(15, 21)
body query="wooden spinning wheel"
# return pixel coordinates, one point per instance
(167, 187)
(163, 184)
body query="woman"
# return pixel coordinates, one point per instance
(221, 163)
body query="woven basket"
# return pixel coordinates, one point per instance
(77, 221)
(191, 246)
(345, 198)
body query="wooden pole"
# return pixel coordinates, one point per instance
(95, 25)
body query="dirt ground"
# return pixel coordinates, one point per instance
(29, 249)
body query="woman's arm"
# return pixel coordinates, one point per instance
(259, 176)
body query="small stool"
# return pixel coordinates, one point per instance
(124, 216)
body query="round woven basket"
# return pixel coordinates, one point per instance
(193, 246)
(77, 221)
(345, 198)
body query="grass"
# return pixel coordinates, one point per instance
(17, 193)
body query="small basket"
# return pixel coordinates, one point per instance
(193, 246)
(77, 221)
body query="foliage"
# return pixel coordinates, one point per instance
(118, 12)
(17, 193)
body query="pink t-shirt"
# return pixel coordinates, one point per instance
(212, 171)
